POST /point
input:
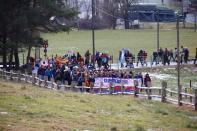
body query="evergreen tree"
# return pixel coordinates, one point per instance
(22, 20)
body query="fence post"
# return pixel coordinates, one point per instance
(149, 91)
(3, 76)
(1, 73)
(195, 99)
(52, 83)
(58, 85)
(163, 91)
(11, 75)
(39, 81)
(180, 97)
(33, 79)
(45, 81)
(19, 76)
(26, 77)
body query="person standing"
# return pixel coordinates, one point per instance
(195, 57)
(147, 80)
(87, 58)
(182, 53)
(175, 54)
(165, 57)
(186, 55)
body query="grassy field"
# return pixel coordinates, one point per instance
(24, 107)
(111, 41)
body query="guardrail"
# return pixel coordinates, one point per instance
(159, 93)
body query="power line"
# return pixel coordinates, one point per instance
(106, 13)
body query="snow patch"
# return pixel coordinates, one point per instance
(3, 113)
(161, 76)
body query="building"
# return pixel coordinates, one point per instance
(151, 13)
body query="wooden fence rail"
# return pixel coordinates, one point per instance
(160, 93)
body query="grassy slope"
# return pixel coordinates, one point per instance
(32, 108)
(112, 41)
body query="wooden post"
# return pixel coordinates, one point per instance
(180, 96)
(11, 75)
(163, 91)
(190, 83)
(26, 77)
(190, 99)
(23, 59)
(33, 79)
(3, 75)
(190, 90)
(52, 84)
(58, 84)
(149, 91)
(195, 100)
(39, 81)
(171, 94)
(159, 92)
(19, 76)
(45, 81)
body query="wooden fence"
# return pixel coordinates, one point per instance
(162, 94)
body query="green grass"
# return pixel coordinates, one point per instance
(33, 108)
(111, 41)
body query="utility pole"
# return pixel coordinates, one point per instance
(158, 28)
(93, 33)
(182, 12)
(178, 62)
(195, 21)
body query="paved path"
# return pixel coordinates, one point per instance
(172, 64)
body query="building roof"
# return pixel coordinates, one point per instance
(150, 8)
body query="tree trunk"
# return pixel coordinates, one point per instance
(16, 57)
(114, 23)
(11, 57)
(126, 17)
(28, 54)
(5, 50)
(126, 21)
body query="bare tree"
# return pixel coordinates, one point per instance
(109, 12)
(125, 6)
(85, 6)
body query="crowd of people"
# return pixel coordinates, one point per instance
(162, 56)
(165, 56)
(126, 56)
(79, 70)
(75, 68)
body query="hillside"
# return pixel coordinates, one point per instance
(24, 107)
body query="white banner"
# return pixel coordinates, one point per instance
(108, 81)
